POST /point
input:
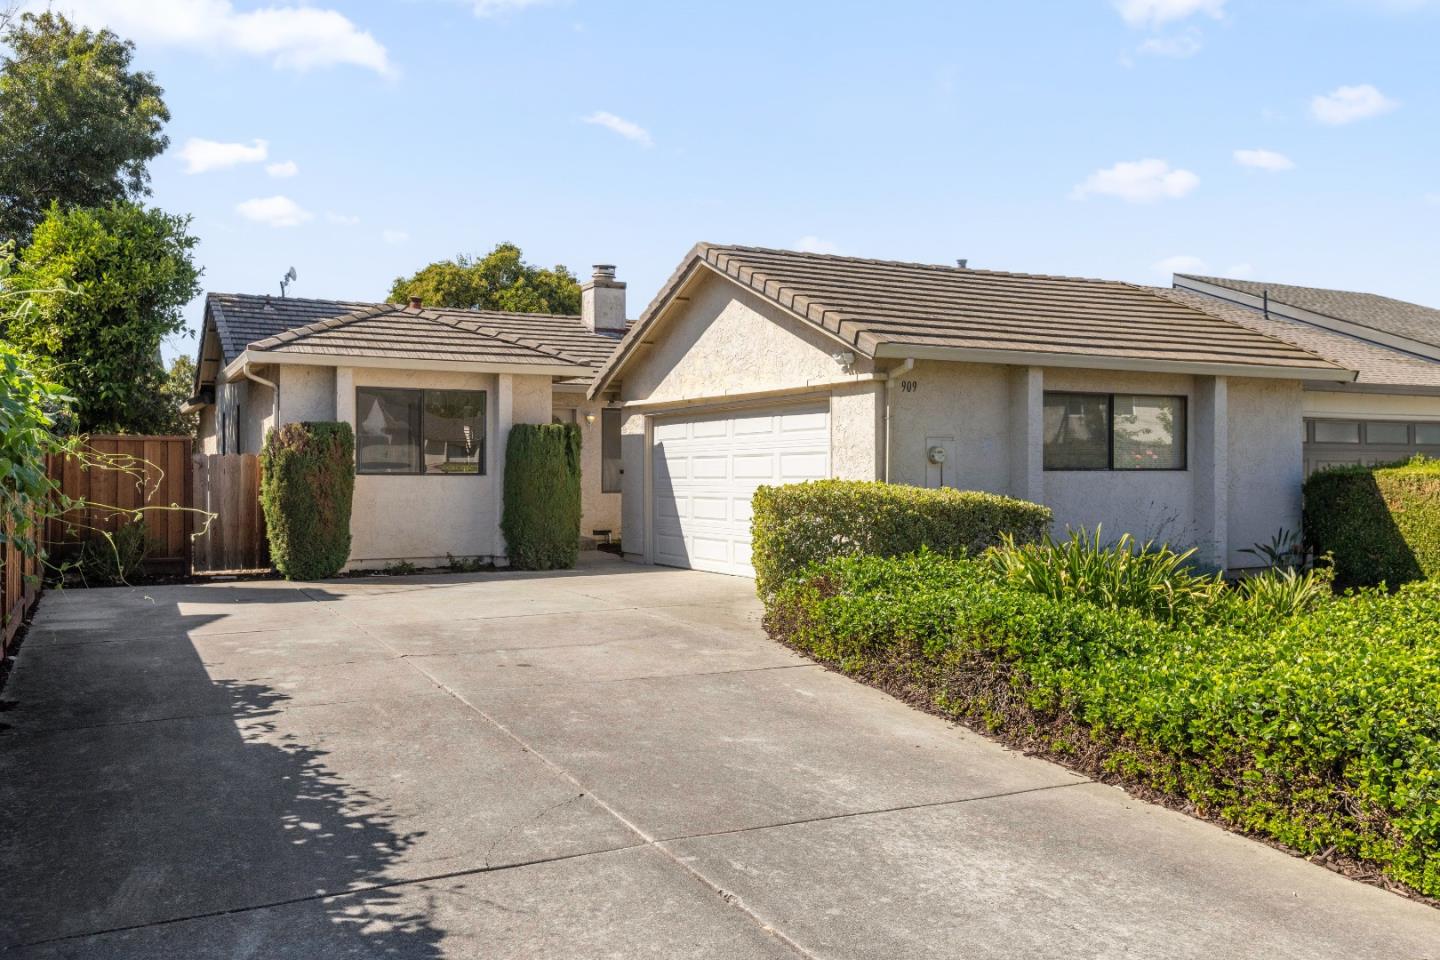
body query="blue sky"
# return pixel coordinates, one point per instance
(1284, 141)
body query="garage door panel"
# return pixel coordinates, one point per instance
(706, 470)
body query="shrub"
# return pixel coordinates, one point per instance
(799, 524)
(541, 521)
(119, 557)
(1380, 524)
(1319, 731)
(307, 484)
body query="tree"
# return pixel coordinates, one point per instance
(179, 387)
(77, 125)
(129, 272)
(500, 280)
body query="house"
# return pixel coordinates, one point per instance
(1391, 411)
(431, 394)
(1114, 404)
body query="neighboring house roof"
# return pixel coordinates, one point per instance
(1384, 314)
(882, 308)
(344, 328)
(1373, 362)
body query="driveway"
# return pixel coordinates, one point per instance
(608, 762)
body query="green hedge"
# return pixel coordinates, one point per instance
(541, 521)
(307, 484)
(1319, 731)
(799, 524)
(1381, 524)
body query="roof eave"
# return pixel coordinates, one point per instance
(906, 351)
(233, 370)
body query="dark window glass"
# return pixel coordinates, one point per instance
(610, 463)
(1427, 433)
(387, 430)
(1077, 431)
(1393, 433)
(1149, 432)
(454, 431)
(1337, 431)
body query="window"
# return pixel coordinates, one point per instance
(1387, 433)
(1115, 431)
(611, 467)
(419, 431)
(1427, 433)
(1337, 431)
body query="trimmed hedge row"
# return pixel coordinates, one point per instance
(799, 524)
(307, 485)
(1381, 524)
(541, 521)
(1319, 731)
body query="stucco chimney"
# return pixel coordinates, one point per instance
(602, 301)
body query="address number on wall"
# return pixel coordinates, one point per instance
(909, 386)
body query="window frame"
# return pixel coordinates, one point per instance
(420, 393)
(1109, 398)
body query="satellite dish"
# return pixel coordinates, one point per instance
(291, 275)
(286, 280)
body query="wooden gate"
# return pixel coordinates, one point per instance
(228, 485)
(127, 475)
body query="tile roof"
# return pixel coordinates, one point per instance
(1374, 363)
(350, 328)
(1387, 315)
(870, 304)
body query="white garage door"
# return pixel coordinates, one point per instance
(705, 470)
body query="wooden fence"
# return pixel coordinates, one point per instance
(228, 485)
(125, 475)
(19, 586)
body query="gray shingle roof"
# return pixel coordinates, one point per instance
(1374, 363)
(870, 304)
(351, 328)
(1387, 315)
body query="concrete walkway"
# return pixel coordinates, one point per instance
(611, 762)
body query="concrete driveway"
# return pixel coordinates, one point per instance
(610, 762)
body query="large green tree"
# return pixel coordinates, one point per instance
(77, 124)
(500, 280)
(128, 272)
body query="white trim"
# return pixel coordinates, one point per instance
(1087, 361)
(814, 388)
(232, 370)
(1324, 321)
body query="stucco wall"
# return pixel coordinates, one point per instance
(726, 341)
(422, 518)
(306, 393)
(1371, 406)
(964, 407)
(857, 430)
(1266, 462)
(598, 510)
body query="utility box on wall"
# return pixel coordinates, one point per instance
(941, 466)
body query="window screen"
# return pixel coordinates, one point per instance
(419, 431)
(610, 462)
(454, 431)
(1077, 431)
(387, 430)
(1149, 433)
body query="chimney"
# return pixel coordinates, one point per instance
(602, 301)
(415, 303)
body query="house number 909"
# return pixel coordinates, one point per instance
(909, 386)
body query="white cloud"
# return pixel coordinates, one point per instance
(1178, 47)
(201, 155)
(290, 37)
(1348, 104)
(1181, 263)
(1157, 13)
(1138, 181)
(626, 128)
(342, 219)
(496, 8)
(1262, 159)
(813, 244)
(285, 168)
(391, 235)
(274, 211)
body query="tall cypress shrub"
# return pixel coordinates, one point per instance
(307, 484)
(541, 521)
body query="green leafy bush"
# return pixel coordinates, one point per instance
(799, 524)
(1319, 731)
(307, 485)
(119, 557)
(541, 521)
(1379, 524)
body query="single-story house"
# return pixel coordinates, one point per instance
(1391, 410)
(1148, 411)
(431, 394)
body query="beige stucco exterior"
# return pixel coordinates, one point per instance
(598, 510)
(727, 348)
